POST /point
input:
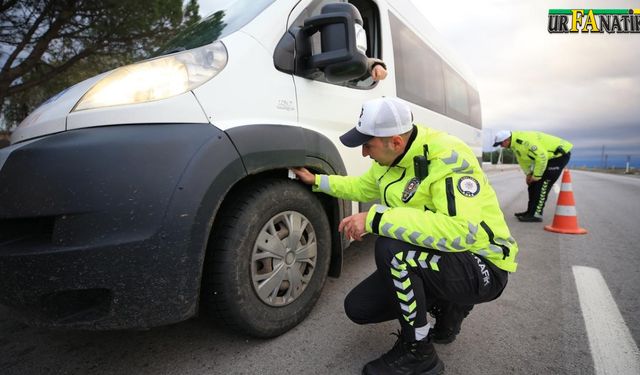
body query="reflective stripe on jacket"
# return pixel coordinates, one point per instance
(453, 209)
(533, 150)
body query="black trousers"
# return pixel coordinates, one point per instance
(410, 279)
(539, 190)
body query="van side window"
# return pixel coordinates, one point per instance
(418, 68)
(424, 78)
(475, 113)
(457, 99)
(371, 20)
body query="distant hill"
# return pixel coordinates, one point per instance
(613, 161)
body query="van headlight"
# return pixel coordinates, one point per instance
(156, 79)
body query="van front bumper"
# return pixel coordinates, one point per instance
(105, 228)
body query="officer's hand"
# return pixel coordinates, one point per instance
(528, 179)
(378, 73)
(304, 175)
(353, 226)
(531, 179)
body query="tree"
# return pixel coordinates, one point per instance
(508, 157)
(47, 45)
(191, 13)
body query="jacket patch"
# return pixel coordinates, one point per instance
(410, 189)
(468, 186)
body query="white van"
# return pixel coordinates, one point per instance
(135, 197)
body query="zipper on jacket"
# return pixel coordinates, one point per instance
(391, 183)
(451, 198)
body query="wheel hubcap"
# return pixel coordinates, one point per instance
(290, 258)
(283, 258)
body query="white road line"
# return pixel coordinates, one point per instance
(612, 347)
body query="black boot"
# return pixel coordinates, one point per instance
(407, 358)
(449, 317)
(523, 213)
(530, 219)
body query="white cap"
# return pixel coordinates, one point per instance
(500, 137)
(382, 117)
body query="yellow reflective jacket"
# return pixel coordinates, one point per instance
(533, 150)
(453, 209)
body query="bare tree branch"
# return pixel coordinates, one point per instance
(50, 74)
(5, 5)
(26, 38)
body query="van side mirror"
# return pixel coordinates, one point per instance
(339, 59)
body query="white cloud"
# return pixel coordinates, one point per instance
(572, 84)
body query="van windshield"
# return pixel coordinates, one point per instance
(228, 16)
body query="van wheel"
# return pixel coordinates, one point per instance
(267, 259)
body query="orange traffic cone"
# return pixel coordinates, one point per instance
(565, 219)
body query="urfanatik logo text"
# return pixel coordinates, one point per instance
(612, 21)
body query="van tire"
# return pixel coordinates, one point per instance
(228, 287)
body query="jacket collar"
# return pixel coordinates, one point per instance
(400, 160)
(415, 146)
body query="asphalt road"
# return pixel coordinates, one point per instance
(538, 326)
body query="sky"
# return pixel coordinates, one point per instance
(581, 87)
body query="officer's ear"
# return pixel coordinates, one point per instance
(398, 143)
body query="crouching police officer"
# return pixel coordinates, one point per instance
(443, 244)
(542, 157)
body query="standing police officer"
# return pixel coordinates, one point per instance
(443, 243)
(542, 158)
